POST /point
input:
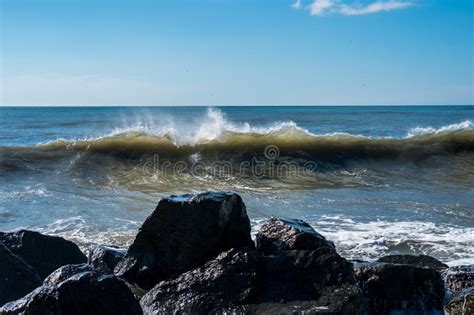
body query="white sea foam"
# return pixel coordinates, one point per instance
(82, 232)
(421, 131)
(214, 125)
(371, 240)
(35, 190)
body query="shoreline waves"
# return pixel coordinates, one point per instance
(194, 254)
(376, 180)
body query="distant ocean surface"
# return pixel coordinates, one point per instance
(375, 180)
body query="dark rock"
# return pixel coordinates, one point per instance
(43, 252)
(17, 278)
(344, 300)
(391, 287)
(183, 233)
(420, 261)
(462, 303)
(105, 258)
(84, 293)
(65, 272)
(301, 275)
(226, 281)
(297, 262)
(278, 235)
(459, 277)
(242, 281)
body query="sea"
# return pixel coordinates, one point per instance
(376, 180)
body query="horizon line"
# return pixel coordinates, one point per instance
(230, 105)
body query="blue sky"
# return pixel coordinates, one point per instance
(224, 52)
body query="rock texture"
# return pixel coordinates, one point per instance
(301, 275)
(222, 283)
(105, 258)
(194, 255)
(459, 278)
(301, 270)
(279, 235)
(341, 300)
(17, 278)
(462, 303)
(420, 261)
(85, 293)
(43, 252)
(65, 272)
(304, 274)
(390, 288)
(183, 233)
(298, 262)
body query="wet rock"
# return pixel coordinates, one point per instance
(403, 288)
(105, 258)
(183, 233)
(43, 252)
(345, 300)
(462, 303)
(17, 278)
(223, 282)
(298, 262)
(459, 278)
(420, 261)
(84, 293)
(243, 280)
(65, 272)
(301, 275)
(278, 235)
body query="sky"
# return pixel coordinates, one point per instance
(229, 52)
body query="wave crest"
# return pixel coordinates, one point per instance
(215, 138)
(422, 131)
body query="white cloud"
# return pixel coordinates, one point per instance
(296, 5)
(322, 7)
(373, 7)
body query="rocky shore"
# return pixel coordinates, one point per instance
(194, 254)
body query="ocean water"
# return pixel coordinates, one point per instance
(375, 180)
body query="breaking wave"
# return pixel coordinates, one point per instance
(216, 139)
(291, 140)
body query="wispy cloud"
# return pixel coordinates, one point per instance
(319, 7)
(297, 5)
(325, 7)
(374, 7)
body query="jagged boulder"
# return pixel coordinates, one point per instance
(44, 253)
(315, 280)
(278, 235)
(105, 258)
(17, 278)
(462, 303)
(298, 262)
(84, 293)
(224, 282)
(65, 272)
(420, 261)
(300, 270)
(183, 233)
(400, 288)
